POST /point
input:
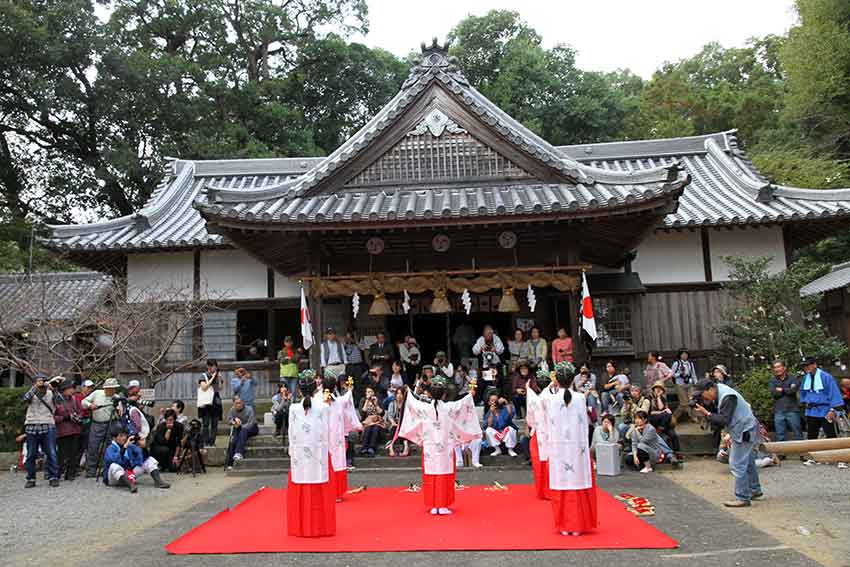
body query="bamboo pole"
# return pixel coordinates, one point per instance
(524, 269)
(799, 447)
(835, 456)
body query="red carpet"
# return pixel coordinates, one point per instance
(388, 519)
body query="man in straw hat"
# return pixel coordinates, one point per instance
(99, 403)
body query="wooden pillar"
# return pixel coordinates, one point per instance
(271, 320)
(315, 268)
(571, 256)
(198, 324)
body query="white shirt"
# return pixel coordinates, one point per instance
(309, 435)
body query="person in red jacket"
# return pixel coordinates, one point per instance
(68, 416)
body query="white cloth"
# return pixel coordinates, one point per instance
(342, 420)
(509, 439)
(474, 448)
(538, 420)
(309, 438)
(569, 461)
(438, 429)
(116, 471)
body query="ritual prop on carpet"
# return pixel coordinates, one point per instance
(258, 525)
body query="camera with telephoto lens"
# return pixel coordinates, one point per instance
(695, 400)
(489, 358)
(118, 400)
(143, 403)
(193, 436)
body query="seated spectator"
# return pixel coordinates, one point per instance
(280, 409)
(423, 383)
(517, 349)
(634, 403)
(177, 406)
(498, 422)
(392, 418)
(585, 382)
(462, 378)
(518, 385)
(242, 385)
(166, 441)
(474, 449)
(374, 378)
(397, 378)
(845, 394)
(40, 428)
(244, 426)
(646, 445)
(373, 422)
(605, 433)
(615, 389)
(124, 463)
(68, 417)
(661, 416)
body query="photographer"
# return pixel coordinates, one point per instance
(280, 409)
(489, 346)
(166, 440)
(99, 403)
(124, 463)
(68, 417)
(499, 425)
(40, 428)
(244, 426)
(242, 385)
(177, 406)
(443, 367)
(735, 415)
(373, 378)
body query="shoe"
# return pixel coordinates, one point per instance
(350, 468)
(843, 465)
(757, 496)
(125, 482)
(30, 484)
(157, 480)
(237, 457)
(810, 462)
(54, 482)
(565, 533)
(512, 453)
(496, 452)
(444, 511)
(737, 504)
(477, 465)
(434, 511)
(646, 470)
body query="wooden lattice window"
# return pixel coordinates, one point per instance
(613, 316)
(425, 158)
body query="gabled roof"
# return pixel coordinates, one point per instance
(53, 296)
(837, 278)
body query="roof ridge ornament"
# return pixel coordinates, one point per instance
(436, 122)
(435, 59)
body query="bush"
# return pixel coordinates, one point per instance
(755, 388)
(12, 414)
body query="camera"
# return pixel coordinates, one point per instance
(145, 403)
(489, 358)
(75, 418)
(695, 400)
(118, 399)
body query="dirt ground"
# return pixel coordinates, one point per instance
(806, 508)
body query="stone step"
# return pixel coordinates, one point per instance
(224, 429)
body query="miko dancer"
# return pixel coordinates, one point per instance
(538, 422)
(342, 420)
(438, 427)
(310, 497)
(572, 485)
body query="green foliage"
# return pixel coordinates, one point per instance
(769, 320)
(801, 167)
(754, 386)
(12, 414)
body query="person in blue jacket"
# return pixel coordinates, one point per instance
(820, 394)
(123, 462)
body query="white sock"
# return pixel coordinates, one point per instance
(444, 511)
(434, 511)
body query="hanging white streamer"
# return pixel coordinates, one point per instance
(355, 304)
(532, 300)
(406, 303)
(467, 301)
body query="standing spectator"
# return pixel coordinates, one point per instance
(381, 352)
(655, 369)
(786, 408)
(685, 376)
(517, 349)
(288, 360)
(735, 415)
(411, 358)
(99, 403)
(280, 409)
(820, 393)
(720, 375)
(614, 390)
(538, 350)
(333, 353)
(489, 347)
(353, 354)
(518, 387)
(208, 411)
(585, 383)
(244, 426)
(68, 427)
(86, 388)
(661, 416)
(242, 385)
(40, 428)
(166, 440)
(498, 421)
(562, 347)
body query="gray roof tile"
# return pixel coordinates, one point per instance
(838, 277)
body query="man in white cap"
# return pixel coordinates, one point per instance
(99, 403)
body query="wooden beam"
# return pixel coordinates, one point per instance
(706, 253)
(523, 269)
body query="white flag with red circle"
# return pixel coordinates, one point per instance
(588, 323)
(306, 326)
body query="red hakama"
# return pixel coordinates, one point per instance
(310, 509)
(575, 510)
(540, 468)
(438, 489)
(340, 482)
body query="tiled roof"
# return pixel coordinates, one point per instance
(838, 277)
(54, 296)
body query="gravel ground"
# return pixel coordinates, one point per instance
(816, 499)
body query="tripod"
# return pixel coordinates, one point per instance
(191, 450)
(103, 442)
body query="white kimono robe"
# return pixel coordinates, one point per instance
(438, 433)
(536, 415)
(308, 443)
(569, 457)
(342, 420)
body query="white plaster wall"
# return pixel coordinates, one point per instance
(751, 242)
(232, 274)
(166, 274)
(286, 287)
(670, 257)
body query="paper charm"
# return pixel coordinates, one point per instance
(355, 304)
(466, 300)
(406, 303)
(532, 300)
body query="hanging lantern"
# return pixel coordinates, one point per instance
(508, 303)
(380, 306)
(440, 303)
